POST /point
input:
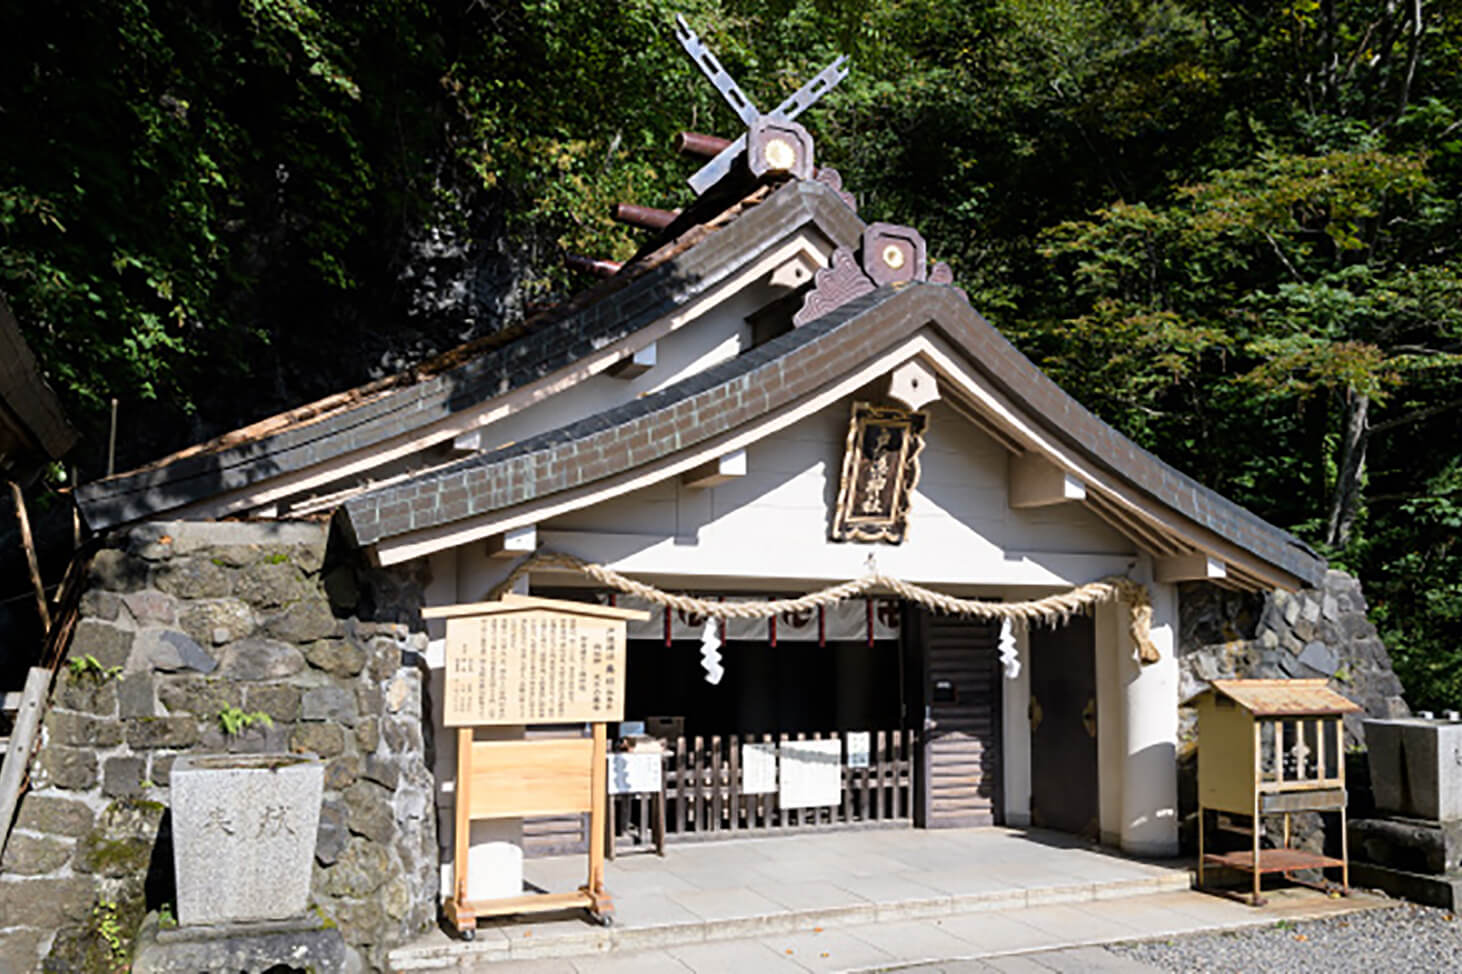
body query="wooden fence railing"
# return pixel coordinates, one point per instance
(703, 797)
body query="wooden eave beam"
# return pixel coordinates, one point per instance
(1037, 482)
(716, 472)
(513, 543)
(1193, 566)
(636, 364)
(1145, 535)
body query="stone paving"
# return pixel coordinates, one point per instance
(1030, 940)
(864, 899)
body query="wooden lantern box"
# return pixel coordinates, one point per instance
(1271, 747)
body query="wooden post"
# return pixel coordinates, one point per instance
(462, 837)
(733, 779)
(716, 790)
(598, 785)
(30, 557)
(1201, 816)
(1279, 763)
(22, 739)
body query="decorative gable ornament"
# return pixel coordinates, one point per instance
(880, 471)
(774, 144)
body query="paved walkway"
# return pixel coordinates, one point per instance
(955, 899)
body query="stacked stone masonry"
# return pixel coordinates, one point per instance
(1315, 633)
(184, 627)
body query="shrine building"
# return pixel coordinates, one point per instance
(773, 397)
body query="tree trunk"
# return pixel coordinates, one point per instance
(1350, 472)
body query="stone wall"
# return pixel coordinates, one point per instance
(183, 626)
(1309, 634)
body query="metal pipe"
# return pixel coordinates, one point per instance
(592, 265)
(643, 216)
(696, 144)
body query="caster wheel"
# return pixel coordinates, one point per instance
(606, 920)
(469, 934)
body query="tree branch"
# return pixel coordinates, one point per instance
(1416, 415)
(1282, 259)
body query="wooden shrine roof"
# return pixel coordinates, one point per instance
(1285, 698)
(771, 376)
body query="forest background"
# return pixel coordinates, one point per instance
(1232, 229)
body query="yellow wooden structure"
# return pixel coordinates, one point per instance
(1271, 747)
(488, 674)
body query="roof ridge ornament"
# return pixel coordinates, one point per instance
(774, 142)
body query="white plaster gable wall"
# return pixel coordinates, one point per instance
(772, 522)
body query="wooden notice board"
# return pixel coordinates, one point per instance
(531, 661)
(527, 660)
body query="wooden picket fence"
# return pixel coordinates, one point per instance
(703, 797)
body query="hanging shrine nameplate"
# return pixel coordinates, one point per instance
(880, 471)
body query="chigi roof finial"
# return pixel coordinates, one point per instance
(774, 142)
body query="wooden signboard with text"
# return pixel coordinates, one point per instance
(530, 661)
(526, 660)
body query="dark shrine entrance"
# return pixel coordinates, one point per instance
(920, 692)
(959, 770)
(824, 688)
(1063, 718)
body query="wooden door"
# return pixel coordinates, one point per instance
(1063, 727)
(961, 773)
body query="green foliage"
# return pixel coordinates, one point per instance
(165, 918)
(90, 668)
(1233, 231)
(234, 721)
(107, 926)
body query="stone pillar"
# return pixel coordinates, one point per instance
(1016, 737)
(1111, 644)
(1150, 734)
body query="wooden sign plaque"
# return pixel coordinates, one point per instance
(880, 471)
(527, 660)
(534, 661)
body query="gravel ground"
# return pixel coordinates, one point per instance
(1407, 938)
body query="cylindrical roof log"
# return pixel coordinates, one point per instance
(643, 216)
(592, 265)
(697, 144)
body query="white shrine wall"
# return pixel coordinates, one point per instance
(767, 532)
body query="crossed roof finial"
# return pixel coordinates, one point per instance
(776, 142)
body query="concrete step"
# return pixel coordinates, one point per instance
(570, 935)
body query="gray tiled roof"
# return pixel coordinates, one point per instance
(200, 475)
(784, 370)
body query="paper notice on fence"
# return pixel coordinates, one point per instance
(858, 748)
(758, 769)
(812, 773)
(634, 774)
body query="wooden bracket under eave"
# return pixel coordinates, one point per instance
(716, 472)
(1193, 567)
(637, 364)
(513, 543)
(1037, 482)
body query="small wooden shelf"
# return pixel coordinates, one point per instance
(1272, 860)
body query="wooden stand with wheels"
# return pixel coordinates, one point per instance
(522, 661)
(513, 779)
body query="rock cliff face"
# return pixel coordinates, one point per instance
(209, 638)
(1314, 633)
